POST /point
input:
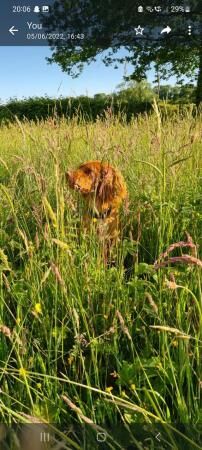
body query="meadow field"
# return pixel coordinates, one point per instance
(85, 347)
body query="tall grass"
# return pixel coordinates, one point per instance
(114, 348)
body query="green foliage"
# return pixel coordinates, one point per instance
(81, 341)
(136, 92)
(131, 99)
(86, 108)
(107, 28)
(176, 94)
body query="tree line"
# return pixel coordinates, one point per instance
(131, 98)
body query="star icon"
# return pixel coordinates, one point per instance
(139, 30)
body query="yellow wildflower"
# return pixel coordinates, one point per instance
(123, 394)
(37, 308)
(22, 372)
(109, 389)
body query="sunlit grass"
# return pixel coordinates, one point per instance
(82, 343)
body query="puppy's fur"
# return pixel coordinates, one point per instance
(103, 189)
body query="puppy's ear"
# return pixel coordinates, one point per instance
(106, 184)
(119, 185)
(89, 171)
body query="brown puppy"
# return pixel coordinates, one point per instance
(103, 188)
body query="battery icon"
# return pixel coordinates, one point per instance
(187, 9)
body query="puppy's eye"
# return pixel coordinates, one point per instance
(87, 171)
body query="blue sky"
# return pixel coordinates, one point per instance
(26, 73)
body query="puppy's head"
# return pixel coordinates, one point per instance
(81, 180)
(90, 177)
(98, 178)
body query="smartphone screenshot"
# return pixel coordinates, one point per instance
(100, 225)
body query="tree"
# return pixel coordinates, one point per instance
(177, 94)
(91, 27)
(135, 91)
